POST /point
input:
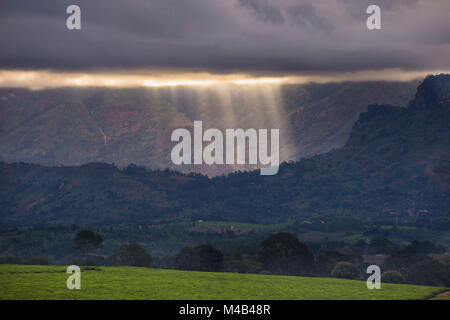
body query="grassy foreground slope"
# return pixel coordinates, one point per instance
(49, 282)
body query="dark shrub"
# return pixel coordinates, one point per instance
(344, 270)
(87, 240)
(392, 276)
(202, 258)
(282, 253)
(133, 254)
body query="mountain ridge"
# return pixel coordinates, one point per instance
(72, 126)
(395, 161)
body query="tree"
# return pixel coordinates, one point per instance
(202, 258)
(87, 240)
(344, 270)
(133, 254)
(428, 272)
(326, 260)
(404, 258)
(282, 253)
(392, 276)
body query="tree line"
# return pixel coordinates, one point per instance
(280, 254)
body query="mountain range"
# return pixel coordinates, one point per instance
(395, 163)
(74, 126)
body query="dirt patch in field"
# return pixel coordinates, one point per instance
(442, 294)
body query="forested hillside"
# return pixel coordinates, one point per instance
(395, 162)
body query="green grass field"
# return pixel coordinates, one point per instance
(49, 282)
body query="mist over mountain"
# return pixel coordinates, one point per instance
(396, 162)
(73, 126)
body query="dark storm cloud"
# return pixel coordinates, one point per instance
(225, 35)
(305, 15)
(264, 10)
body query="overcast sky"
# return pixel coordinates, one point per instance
(252, 36)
